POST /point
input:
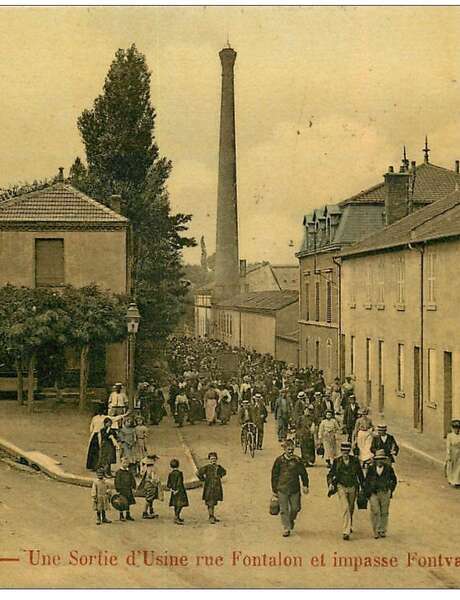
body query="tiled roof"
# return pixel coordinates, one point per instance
(60, 203)
(358, 221)
(438, 220)
(264, 302)
(431, 183)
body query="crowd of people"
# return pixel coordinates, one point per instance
(324, 422)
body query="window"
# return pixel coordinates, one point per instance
(307, 301)
(400, 367)
(328, 301)
(381, 282)
(352, 354)
(431, 277)
(353, 282)
(49, 262)
(329, 354)
(317, 300)
(401, 273)
(369, 285)
(431, 377)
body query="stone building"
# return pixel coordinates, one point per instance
(400, 316)
(330, 229)
(56, 236)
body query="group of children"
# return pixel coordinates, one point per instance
(151, 489)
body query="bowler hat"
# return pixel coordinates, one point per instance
(345, 446)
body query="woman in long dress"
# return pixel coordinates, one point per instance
(327, 436)
(363, 436)
(210, 404)
(97, 422)
(453, 454)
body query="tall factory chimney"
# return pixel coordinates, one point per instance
(227, 259)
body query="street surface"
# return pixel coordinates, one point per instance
(56, 519)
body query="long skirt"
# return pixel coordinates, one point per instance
(364, 442)
(307, 449)
(210, 410)
(453, 466)
(92, 458)
(330, 446)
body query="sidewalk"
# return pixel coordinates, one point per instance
(55, 439)
(418, 443)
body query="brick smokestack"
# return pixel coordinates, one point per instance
(227, 263)
(396, 195)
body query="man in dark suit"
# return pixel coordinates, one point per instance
(346, 477)
(379, 485)
(286, 472)
(385, 441)
(350, 416)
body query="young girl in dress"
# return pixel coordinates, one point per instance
(179, 498)
(150, 486)
(141, 442)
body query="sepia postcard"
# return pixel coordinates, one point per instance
(229, 240)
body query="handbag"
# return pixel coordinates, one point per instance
(361, 500)
(320, 450)
(274, 507)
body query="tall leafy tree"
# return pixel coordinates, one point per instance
(123, 158)
(97, 317)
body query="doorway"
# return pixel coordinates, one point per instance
(447, 392)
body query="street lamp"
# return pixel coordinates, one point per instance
(133, 317)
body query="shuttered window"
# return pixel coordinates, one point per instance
(49, 262)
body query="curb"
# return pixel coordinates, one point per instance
(41, 462)
(420, 453)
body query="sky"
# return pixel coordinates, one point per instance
(326, 97)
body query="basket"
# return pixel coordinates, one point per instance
(119, 502)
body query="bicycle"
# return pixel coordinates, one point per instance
(249, 438)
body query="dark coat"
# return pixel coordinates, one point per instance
(350, 417)
(348, 475)
(175, 483)
(107, 452)
(211, 475)
(125, 483)
(390, 446)
(374, 483)
(286, 473)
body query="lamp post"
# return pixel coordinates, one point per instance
(132, 321)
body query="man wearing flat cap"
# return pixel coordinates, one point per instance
(379, 485)
(385, 441)
(346, 476)
(287, 470)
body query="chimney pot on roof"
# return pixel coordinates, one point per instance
(391, 169)
(413, 164)
(396, 195)
(115, 203)
(61, 174)
(457, 166)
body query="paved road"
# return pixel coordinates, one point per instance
(54, 518)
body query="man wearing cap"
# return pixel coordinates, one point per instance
(379, 485)
(118, 401)
(385, 441)
(350, 416)
(259, 417)
(346, 476)
(299, 406)
(287, 470)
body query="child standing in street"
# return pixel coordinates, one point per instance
(125, 484)
(141, 442)
(100, 494)
(211, 474)
(150, 486)
(179, 498)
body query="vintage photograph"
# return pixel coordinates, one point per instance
(229, 240)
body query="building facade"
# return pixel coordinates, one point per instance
(331, 229)
(399, 317)
(57, 236)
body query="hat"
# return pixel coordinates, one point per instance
(301, 395)
(455, 423)
(119, 502)
(257, 395)
(345, 446)
(381, 427)
(380, 455)
(329, 412)
(352, 397)
(100, 471)
(212, 454)
(289, 443)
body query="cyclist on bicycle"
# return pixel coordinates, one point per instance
(246, 416)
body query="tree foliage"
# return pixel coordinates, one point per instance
(123, 158)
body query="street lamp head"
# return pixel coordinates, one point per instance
(133, 317)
